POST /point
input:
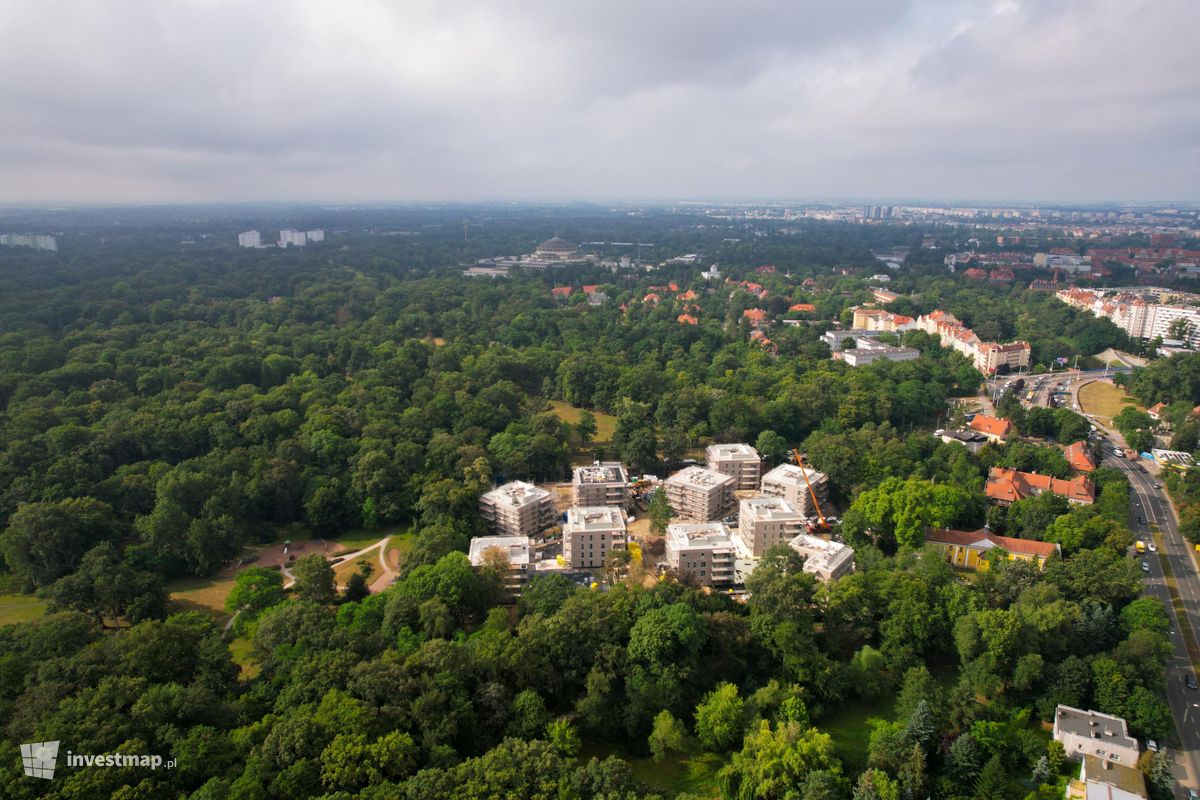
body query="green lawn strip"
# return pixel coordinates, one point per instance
(694, 773)
(1185, 628)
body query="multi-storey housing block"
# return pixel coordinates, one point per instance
(601, 484)
(700, 494)
(591, 533)
(701, 552)
(739, 460)
(517, 509)
(788, 482)
(764, 522)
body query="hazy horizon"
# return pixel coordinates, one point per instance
(997, 101)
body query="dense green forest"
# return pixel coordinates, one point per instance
(167, 406)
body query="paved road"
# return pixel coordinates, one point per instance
(1150, 506)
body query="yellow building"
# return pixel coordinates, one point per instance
(969, 549)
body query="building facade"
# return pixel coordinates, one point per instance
(699, 494)
(702, 553)
(591, 533)
(249, 239)
(764, 522)
(970, 549)
(1006, 486)
(741, 461)
(601, 484)
(510, 553)
(787, 481)
(517, 509)
(987, 357)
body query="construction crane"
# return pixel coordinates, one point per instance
(824, 524)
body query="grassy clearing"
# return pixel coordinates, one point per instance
(343, 571)
(400, 544)
(240, 649)
(359, 538)
(1104, 400)
(694, 773)
(606, 424)
(18, 608)
(851, 729)
(206, 595)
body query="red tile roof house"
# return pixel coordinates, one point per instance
(591, 288)
(995, 429)
(1006, 486)
(651, 298)
(687, 319)
(1155, 411)
(1079, 457)
(969, 549)
(561, 292)
(805, 308)
(756, 316)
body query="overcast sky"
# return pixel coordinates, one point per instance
(161, 100)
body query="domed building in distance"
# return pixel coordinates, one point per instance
(556, 249)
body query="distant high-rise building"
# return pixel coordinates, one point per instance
(249, 239)
(315, 236)
(288, 236)
(36, 241)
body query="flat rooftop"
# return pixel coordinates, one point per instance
(793, 473)
(515, 548)
(516, 494)
(606, 472)
(768, 508)
(699, 536)
(820, 553)
(700, 477)
(595, 518)
(1089, 723)
(737, 452)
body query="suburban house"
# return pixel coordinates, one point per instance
(995, 429)
(969, 549)
(1091, 733)
(1079, 456)
(1006, 486)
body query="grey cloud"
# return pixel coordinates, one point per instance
(364, 99)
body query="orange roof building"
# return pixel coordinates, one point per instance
(561, 292)
(1155, 411)
(1006, 486)
(688, 295)
(1080, 458)
(687, 319)
(591, 288)
(756, 316)
(804, 308)
(995, 429)
(969, 549)
(651, 298)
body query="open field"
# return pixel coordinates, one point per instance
(206, 595)
(1104, 400)
(16, 608)
(398, 548)
(606, 424)
(694, 773)
(343, 571)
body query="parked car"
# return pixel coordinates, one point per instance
(1158, 486)
(1152, 547)
(1145, 566)
(1190, 680)
(1152, 745)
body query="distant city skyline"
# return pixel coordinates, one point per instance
(365, 101)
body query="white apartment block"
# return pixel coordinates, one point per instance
(701, 552)
(739, 460)
(868, 351)
(987, 357)
(34, 240)
(699, 494)
(288, 236)
(249, 239)
(764, 522)
(878, 320)
(1137, 317)
(827, 560)
(601, 484)
(787, 481)
(315, 235)
(496, 550)
(517, 509)
(591, 533)
(1091, 733)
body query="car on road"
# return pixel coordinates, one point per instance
(1152, 745)
(1191, 795)
(1145, 566)
(1158, 486)
(1190, 680)
(1152, 547)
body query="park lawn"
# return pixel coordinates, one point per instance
(606, 424)
(359, 538)
(206, 595)
(343, 571)
(18, 608)
(401, 544)
(851, 729)
(694, 773)
(1104, 400)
